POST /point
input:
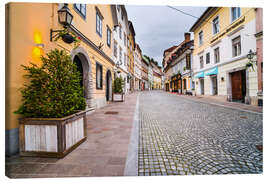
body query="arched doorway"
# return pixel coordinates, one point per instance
(78, 63)
(80, 57)
(108, 85)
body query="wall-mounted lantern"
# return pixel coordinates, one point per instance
(251, 55)
(118, 64)
(64, 17)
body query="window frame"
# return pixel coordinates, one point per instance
(238, 13)
(188, 61)
(79, 10)
(200, 39)
(207, 58)
(213, 23)
(115, 48)
(99, 24)
(99, 66)
(201, 62)
(216, 58)
(110, 32)
(120, 32)
(237, 45)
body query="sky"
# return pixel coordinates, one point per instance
(158, 28)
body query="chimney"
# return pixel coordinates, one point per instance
(187, 37)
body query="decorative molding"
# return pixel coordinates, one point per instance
(235, 31)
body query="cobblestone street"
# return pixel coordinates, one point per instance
(178, 136)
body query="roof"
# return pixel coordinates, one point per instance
(145, 59)
(169, 49)
(131, 28)
(202, 18)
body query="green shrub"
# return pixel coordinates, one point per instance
(54, 89)
(118, 84)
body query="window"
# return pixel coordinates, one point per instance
(125, 39)
(216, 25)
(120, 54)
(81, 9)
(207, 58)
(235, 12)
(120, 32)
(125, 59)
(99, 24)
(98, 76)
(188, 63)
(115, 49)
(128, 61)
(201, 62)
(216, 54)
(109, 32)
(236, 46)
(201, 38)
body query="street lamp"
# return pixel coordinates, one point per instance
(118, 64)
(251, 55)
(64, 17)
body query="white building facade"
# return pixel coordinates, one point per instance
(120, 33)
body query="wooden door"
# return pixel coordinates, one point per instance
(237, 86)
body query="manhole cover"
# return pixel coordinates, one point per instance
(111, 112)
(259, 147)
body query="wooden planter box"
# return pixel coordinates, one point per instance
(52, 137)
(118, 97)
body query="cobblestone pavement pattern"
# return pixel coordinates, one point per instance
(181, 137)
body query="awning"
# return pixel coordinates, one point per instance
(200, 75)
(212, 71)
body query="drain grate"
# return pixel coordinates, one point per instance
(243, 117)
(259, 147)
(111, 112)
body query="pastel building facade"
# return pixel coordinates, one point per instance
(120, 32)
(220, 54)
(137, 67)
(28, 36)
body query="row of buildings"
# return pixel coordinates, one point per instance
(107, 49)
(224, 58)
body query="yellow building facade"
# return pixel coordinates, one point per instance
(223, 38)
(131, 51)
(28, 36)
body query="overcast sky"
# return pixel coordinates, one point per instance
(159, 27)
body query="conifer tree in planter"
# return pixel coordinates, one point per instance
(52, 107)
(118, 94)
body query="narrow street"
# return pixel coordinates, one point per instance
(180, 136)
(157, 133)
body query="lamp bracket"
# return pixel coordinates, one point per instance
(51, 33)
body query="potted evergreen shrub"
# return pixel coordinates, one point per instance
(118, 94)
(53, 122)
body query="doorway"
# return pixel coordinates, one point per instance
(214, 85)
(108, 85)
(202, 86)
(238, 84)
(78, 63)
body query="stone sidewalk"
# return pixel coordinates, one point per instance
(216, 100)
(104, 153)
